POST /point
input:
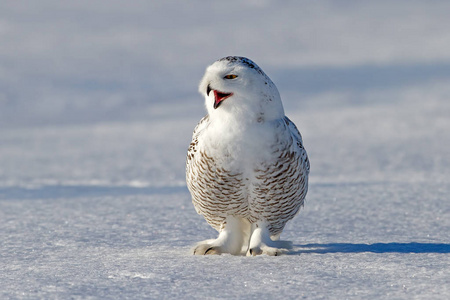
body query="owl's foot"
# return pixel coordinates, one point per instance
(264, 249)
(207, 248)
(261, 243)
(230, 239)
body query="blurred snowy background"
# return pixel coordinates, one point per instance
(98, 100)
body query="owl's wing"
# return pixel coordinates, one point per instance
(194, 143)
(298, 142)
(281, 183)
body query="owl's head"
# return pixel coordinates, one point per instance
(236, 87)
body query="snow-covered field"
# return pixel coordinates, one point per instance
(98, 100)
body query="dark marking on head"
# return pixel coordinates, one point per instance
(243, 60)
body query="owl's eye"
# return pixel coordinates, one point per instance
(231, 76)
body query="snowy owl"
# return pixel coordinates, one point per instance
(246, 167)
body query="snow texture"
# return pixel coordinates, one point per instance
(98, 100)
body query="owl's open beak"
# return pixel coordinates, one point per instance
(218, 96)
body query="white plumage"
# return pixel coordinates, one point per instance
(246, 167)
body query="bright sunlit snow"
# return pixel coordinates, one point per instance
(98, 101)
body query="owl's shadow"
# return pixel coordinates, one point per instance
(373, 248)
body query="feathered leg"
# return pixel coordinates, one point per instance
(261, 243)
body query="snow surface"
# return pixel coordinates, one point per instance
(98, 100)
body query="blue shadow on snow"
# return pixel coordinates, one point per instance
(374, 248)
(316, 79)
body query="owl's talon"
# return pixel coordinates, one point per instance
(255, 251)
(206, 249)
